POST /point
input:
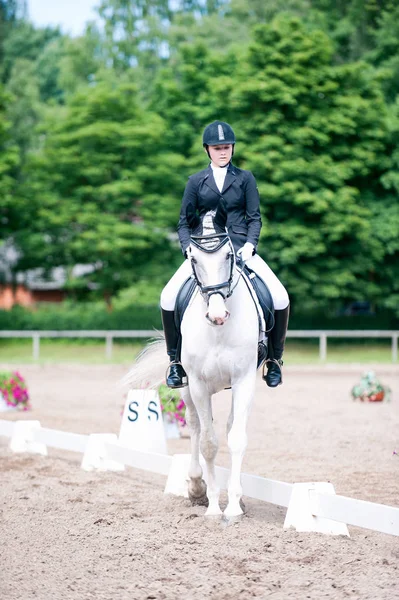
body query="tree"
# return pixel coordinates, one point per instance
(385, 53)
(316, 139)
(24, 41)
(9, 164)
(102, 170)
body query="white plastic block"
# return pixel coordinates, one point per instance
(95, 457)
(22, 439)
(302, 508)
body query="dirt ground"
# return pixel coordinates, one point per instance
(68, 534)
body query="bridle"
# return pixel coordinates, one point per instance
(202, 243)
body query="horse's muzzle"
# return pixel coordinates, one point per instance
(217, 320)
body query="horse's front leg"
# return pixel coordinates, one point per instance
(196, 486)
(243, 393)
(208, 442)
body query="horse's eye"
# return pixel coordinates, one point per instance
(228, 255)
(193, 260)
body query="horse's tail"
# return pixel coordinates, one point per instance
(149, 368)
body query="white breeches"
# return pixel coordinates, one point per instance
(256, 263)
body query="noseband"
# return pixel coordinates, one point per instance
(204, 243)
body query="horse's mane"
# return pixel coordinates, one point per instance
(208, 227)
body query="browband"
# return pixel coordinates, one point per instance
(197, 239)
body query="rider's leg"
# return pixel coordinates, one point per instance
(281, 313)
(177, 376)
(278, 334)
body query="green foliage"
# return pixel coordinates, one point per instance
(9, 163)
(97, 164)
(24, 41)
(81, 316)
(99, 133)
(315, 136)
(13, 390)
(172, 405)
(385, 53)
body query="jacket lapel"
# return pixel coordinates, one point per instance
(210, 181)
(230, 177)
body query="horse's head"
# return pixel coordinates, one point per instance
(212, 259)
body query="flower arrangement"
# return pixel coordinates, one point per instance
(13, 390)
(172, 405)
(370, 389)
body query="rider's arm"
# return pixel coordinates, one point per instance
(252, 211)
(189, 196)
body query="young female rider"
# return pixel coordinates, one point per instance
(238, 188)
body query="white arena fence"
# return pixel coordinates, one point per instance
(311, 506)
(109, 336)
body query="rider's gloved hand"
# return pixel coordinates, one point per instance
(246, 252)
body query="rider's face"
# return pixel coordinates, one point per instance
(221, 154)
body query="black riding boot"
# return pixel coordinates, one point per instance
(278, 334)
(177, 376)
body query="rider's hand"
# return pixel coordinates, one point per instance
(246, 252)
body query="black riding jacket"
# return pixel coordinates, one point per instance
(242, 202)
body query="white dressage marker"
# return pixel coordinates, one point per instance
(22, 439)
(142, 425)
(301, 513)
(313, 506)
(96, 457)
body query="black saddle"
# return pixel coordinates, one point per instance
(183, 300)
(264, 297)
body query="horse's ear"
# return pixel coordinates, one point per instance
(221, 215)
(193, 219)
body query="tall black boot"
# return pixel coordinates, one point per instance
(274, 361)
(177, 376)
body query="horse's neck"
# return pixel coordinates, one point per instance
(241, 296)
(241, 330)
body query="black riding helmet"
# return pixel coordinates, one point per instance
(218, 132)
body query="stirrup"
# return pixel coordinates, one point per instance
(279, 363)
(183, 379)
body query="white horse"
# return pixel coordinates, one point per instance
(220, 332)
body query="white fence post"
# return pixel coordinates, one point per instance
(323, 347)
(36, 346)
(108, 346)
(395, 348)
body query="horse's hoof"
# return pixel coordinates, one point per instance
(235, 510)
(198, 500)
(197, 493)
(230, 515)
(215, 513)
(233, 520)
